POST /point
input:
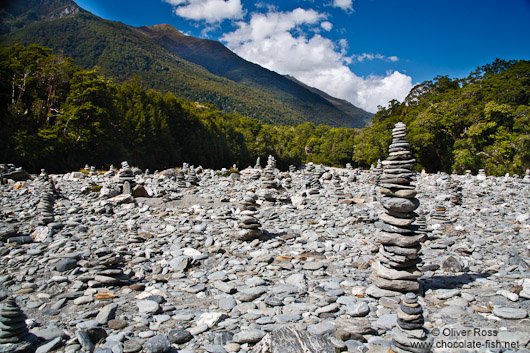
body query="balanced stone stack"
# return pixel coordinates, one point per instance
(110, 172)
(268, 179)
(249, 202)
(349, 166)
(456, 194)
(481, 176)
(43, 175)
(107, 269)
(14, 334)
(192, 177)
(375, 173)
(126, 175)
(93, 171)
(258, 163)
(409, 335)
(45, 205)
(292, 168)
(395, 270)
(314, 185)
(439, 215)
(249, 226)
(421, 223)
(181, 180)
(271, 162)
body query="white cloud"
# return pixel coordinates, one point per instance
(326, 25)
(368, 56)
(346, 5)
(211, 11)
(268, 40)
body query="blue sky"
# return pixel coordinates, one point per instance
(365, 51)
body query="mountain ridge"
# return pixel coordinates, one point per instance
(121, 51)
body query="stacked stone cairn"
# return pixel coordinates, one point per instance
(292, 168)
(314, 184)
(126, 178)
(349, 166)
(249, 226)
(192, 177)
(395, 271)
(14, 334)
(456, 194)
(258, 163)
(439, 216)
(269, 180)
(46, 203)
(93, 171)
(481, 176)
(181, 180)
(409, 335)
(110, 172)
(421, 223)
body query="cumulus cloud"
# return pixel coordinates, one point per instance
(326, 25)
(277, 41)
(346, 5)
(211, 11)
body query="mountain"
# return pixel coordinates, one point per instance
(167, 60)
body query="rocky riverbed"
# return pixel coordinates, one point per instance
(217, 261)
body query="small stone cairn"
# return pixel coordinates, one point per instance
(409, 335)
(181, 179)
(93, 171)
(456, 194)
(14, 334)
(258, 163)
(314, 184)
(249, 226)
(192, 177)
(126, 177)
(376, 173)
(395, 271)
(46, 203)
(110, 172)
(439, 216)
(269, 180)
(481, 176)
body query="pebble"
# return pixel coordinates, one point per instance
(167, 264)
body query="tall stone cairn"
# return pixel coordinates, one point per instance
(45, 205)
(14, 334)
(409, 335)
(394, 271)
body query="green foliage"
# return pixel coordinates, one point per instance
(479, 122)
(58, 116)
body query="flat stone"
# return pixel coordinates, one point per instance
(179, 336)
(509, 313)
(248, 336)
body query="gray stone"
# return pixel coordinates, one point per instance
(509, 313)
(157, 344)
(179, 336)
(64, 265)
(50, 345)
(289, 340)
(248, 336)
(106, 313)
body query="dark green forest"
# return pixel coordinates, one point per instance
(57, 116)
(478, 122)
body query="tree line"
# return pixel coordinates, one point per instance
(57, 116)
